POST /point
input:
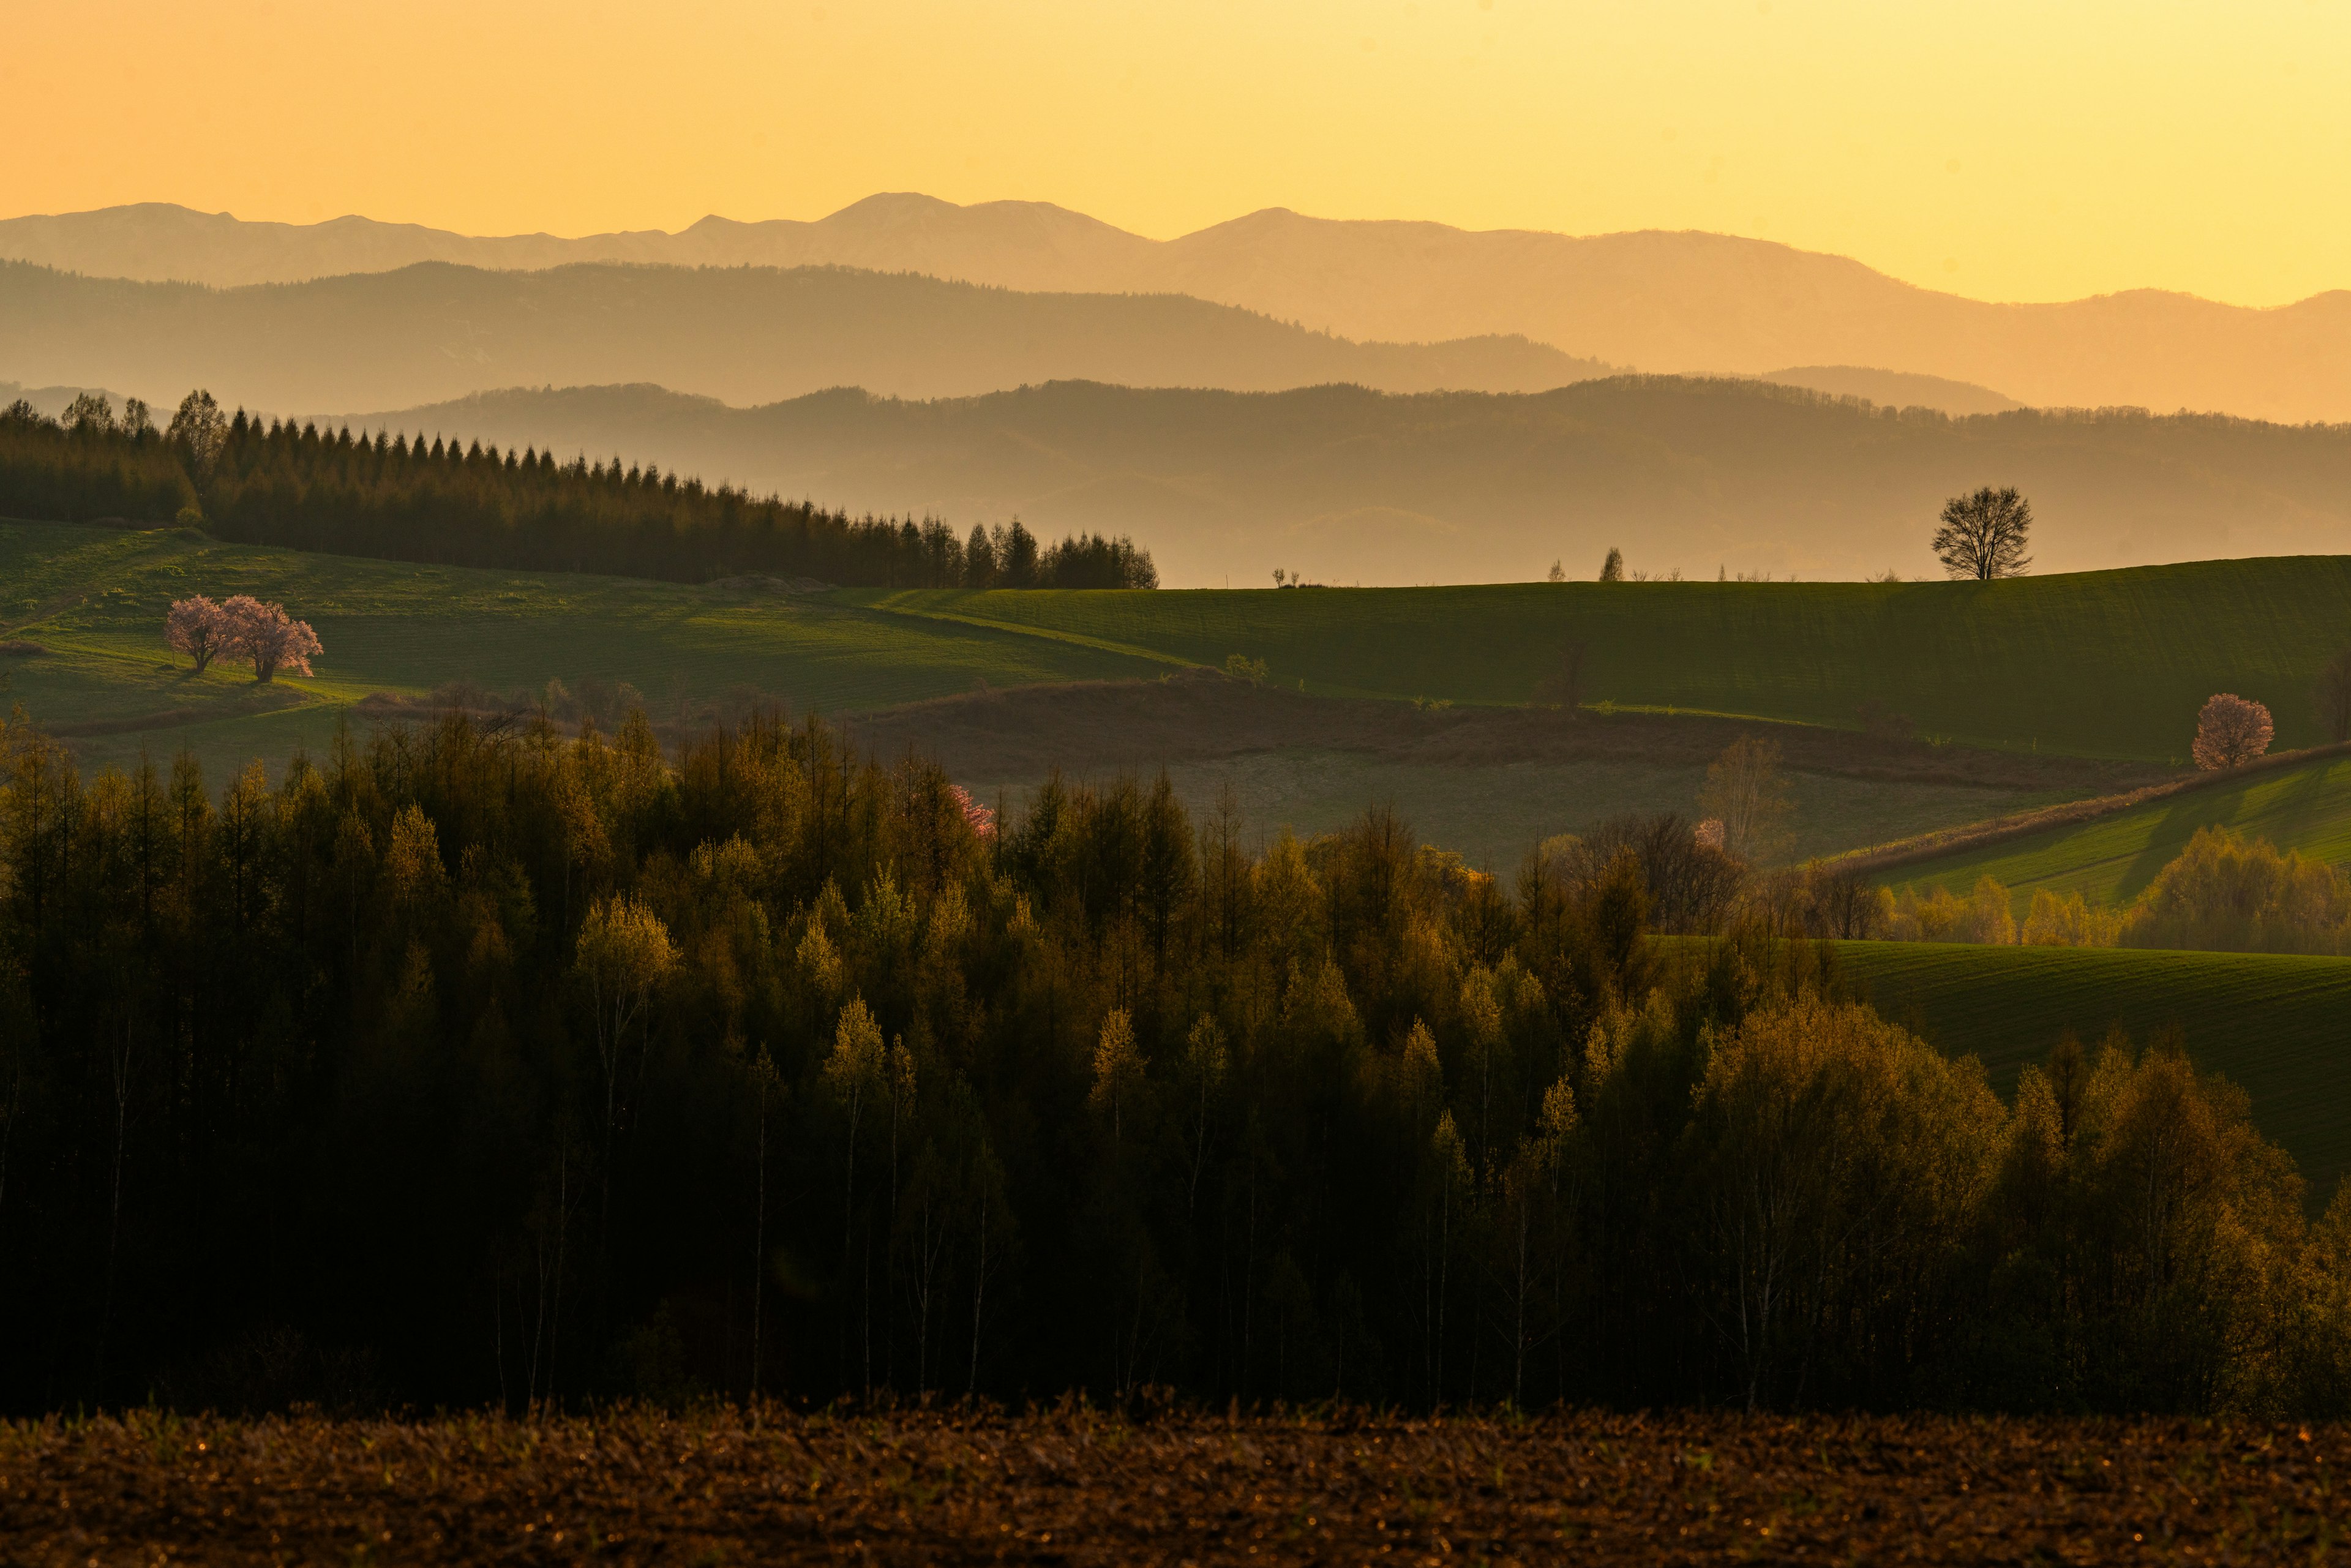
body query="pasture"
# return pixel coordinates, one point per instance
(93, 602)
(2110, 664)
(93, 599)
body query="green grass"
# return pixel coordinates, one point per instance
(94, 598)
(2113, 859)
(2111, 664)
(2278, 1026)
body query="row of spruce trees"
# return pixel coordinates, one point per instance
(465, 504)
(468, 1066)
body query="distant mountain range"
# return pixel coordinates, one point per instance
(1657, 301)
(1348, 485)
(437, 330)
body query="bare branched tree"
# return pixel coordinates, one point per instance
(1983, 535)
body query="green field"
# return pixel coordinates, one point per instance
(2113, 859)
(95, 598)
(2111, 663)
(2279, 1027)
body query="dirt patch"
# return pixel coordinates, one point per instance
(1073, 1485)
(22, 649)
(1198, 716)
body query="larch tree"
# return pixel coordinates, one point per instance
(199, 430)
(624, 951)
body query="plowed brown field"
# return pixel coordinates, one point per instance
(1081, 1486)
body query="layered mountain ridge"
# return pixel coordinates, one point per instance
(1658, 301)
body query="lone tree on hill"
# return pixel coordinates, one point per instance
(1983, 535)
(2231, 731)
(1612, 569)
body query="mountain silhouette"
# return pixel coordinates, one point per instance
(1680, 302)
(435, 330)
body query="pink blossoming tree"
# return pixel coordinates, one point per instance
(195, 627)
(2229, 732)
(242, 628)
(982, 819)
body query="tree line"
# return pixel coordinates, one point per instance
(481, 1063)
(399, 497)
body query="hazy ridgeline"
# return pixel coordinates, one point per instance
(475, 1066)
(471, 506)
(1349, 485)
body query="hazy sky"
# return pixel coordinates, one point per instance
(2005, 150)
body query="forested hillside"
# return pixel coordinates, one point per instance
(1349, 487)
(467, 505)
(498, 1066)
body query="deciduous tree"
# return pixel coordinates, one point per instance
(1983, 535)
(2231, 731)
(265, 634)
(196, 627)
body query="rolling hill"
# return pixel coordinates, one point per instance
(2110, 664)
(2112, 859)
(1349, 487)
(80, 647)
(2279, 1027)
(1969, 663)
(1666, 302)
(435, 330)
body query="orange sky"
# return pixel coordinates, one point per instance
(1998, 148)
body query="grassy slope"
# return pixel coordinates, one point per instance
(2099, 664)
(95, 598)
(2280, 1028)
(2112, 860)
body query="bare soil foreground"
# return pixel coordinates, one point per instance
(1081, 1486)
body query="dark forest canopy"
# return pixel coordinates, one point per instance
(477, 1065)
(399, 499)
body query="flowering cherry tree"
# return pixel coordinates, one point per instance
(195, 627)
(242, 628)
(269, 636)
(981, 819)
(2231, 730)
